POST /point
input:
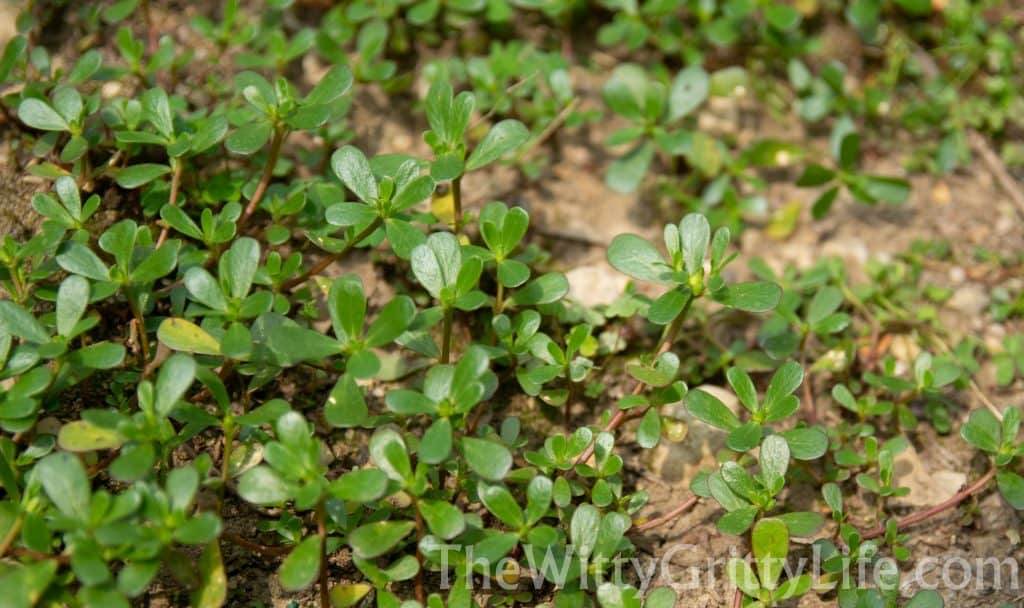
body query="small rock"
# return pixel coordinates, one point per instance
(926, 487)
(970, 299)
(595, 284)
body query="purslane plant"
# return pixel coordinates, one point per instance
(202, 294)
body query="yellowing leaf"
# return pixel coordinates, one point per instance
(784, 220)
(344, 596)
(443, 207)
(179, 334)
(82, 436)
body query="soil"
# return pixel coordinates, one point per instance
(576, 216)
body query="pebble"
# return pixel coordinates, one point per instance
(595, 284)
(926, 487)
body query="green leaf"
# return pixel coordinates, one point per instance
(25, 584)
(176, 375)
(437, 262)
(157, 264)
(1011, 486)
(545, 289)
(346, 406)
(444, 519)
(983, 431)
(489, 460)
(335, 83)
(500, 502)
(815, 175)
(347, 306)
(293, 344)
(436, 444)
(774, 461)
(743, 386)
(928, 598)
(756, 296)
(708, 409)
(660, 374)
(795, 587)
(694, 236)
(183, 335)
(38, 114)
(627, 172)
(261, 485)
(376, 539)
(76, 258)
(649, 432)
(583, 529)
(662, 597)
(388, 452)
(199, 530)
(770, 544)
(886, 189)
(786, 379)
(351, 166)
(157, 110)
(66, 484)
(248, 139)
(635, 256)
(302, 565)
(241, 262)
(802, 523)
(806, 443)
(503, 138)
(362, 485)
(139, 175)
(626, 91)
(742, 575)
(667, 307)
(823, 203)
(689, 90)
(212, 590)
(18, 322)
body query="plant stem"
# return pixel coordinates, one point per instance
(12, 535)
(245, 543)
(421, 594)
(446, 337)
(499, 300)
(953, 501)
(737, 599)
(268, 172)
(141, 321)
(621, 416)
(808, 392)
(321, 529)
(172, 198)
(327, 261)
(457, 204)
(229, 437)
(671, 515)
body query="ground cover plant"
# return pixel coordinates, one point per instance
(291, 310)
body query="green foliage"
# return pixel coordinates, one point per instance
(175, 342)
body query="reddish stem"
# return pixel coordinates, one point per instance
(245, 543)
(268, 174)
(671, 515)
(172, 198)
(953, 501)
(327, 261)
